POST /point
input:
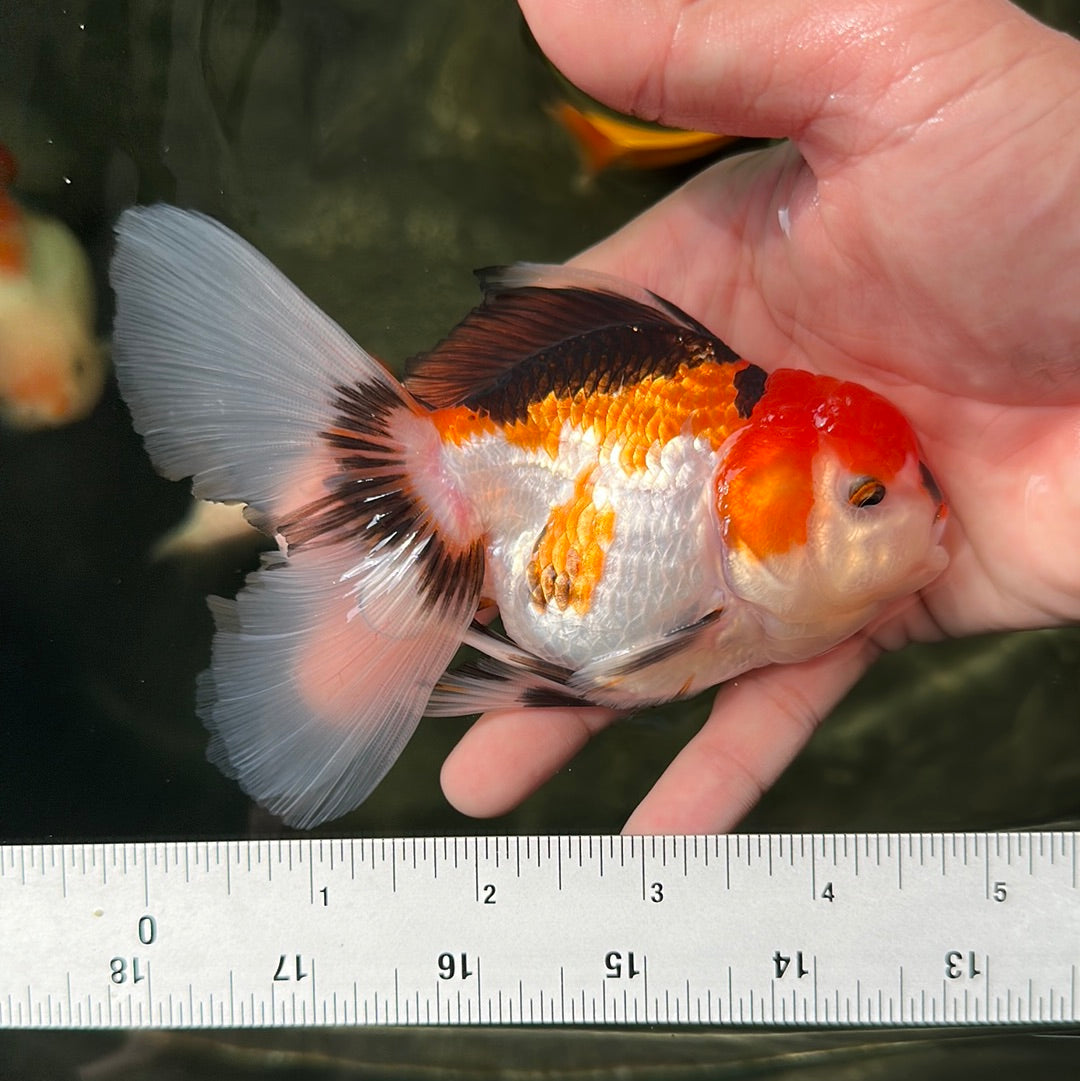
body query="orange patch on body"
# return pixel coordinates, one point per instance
(568, 558)
(698, 399)
(458, 424)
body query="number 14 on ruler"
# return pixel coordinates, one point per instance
(833, 929)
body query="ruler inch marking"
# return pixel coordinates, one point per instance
(1016, 962)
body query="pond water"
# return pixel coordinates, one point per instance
(377, 153)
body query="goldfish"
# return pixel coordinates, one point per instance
(605, 140)
(648, 513)
(52, 369)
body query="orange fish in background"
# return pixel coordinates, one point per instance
(52, 369)
(651, 514)
(605, 140)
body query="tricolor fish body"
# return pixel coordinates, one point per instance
(649, 513)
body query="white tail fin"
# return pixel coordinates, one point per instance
(324, 663)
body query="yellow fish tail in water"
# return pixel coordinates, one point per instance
(605, 140)
(651, 513)
(52, 369)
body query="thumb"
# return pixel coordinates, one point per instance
(778, 68)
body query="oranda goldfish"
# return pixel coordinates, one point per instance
(650, 513)
(52, 370)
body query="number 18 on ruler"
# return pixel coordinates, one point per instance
(824, 929)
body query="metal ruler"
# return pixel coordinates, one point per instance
(808, 930)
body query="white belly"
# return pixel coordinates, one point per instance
(661, 568)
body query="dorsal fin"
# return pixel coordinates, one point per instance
(530, 309)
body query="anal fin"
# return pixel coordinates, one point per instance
(321, 670)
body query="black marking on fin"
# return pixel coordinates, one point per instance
(370, 501)
(494, 645)
(523, 343)
(493, 684)
(505, 676)
(543, 698)
(672, 642)
(750, 386)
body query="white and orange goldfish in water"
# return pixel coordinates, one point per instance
(650, 513)
(52, 369)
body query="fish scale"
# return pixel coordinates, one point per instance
(644, 524)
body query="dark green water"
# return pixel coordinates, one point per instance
(378, 152)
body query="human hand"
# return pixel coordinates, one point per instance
(920, 234)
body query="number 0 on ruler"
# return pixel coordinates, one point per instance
(824, 929)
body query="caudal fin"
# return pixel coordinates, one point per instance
(324, 663)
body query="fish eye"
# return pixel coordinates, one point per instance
(866, 492)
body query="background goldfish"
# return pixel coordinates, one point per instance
(605, 140)
(52, 369)
(650, 513)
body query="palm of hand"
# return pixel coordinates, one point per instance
(999, 422)
(909, 253)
